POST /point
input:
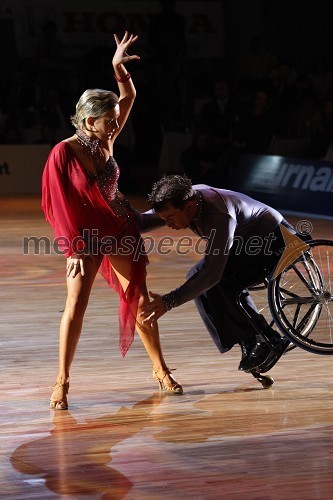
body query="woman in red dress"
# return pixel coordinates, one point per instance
(95, 226)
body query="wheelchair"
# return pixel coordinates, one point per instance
(299, 302)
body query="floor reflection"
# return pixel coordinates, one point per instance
(75, 458)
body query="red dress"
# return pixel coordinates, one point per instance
(84, 208)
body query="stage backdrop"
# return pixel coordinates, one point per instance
(289, 184)
(21, 169)
(84, 24)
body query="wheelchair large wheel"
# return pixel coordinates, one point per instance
(301, 300)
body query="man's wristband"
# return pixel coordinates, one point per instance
(169, 301)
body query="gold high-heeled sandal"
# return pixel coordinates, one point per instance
(174, 387)
(60, 402)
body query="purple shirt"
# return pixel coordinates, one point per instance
(225, 215)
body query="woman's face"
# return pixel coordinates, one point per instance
(107, 124)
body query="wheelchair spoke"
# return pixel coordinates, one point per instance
(285, 291)
(301, 276)
(314, 276)
(296, 315)
(301, 299)
(306, 317)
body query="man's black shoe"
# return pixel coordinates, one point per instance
(246, 349)
(263, 355)
(256, 357)
(272, 336)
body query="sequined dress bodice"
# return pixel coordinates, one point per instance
(107, 181)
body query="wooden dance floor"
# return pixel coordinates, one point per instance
(225, 438)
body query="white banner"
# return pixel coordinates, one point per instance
(83, 23)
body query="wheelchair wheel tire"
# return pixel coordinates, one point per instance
(301, 299)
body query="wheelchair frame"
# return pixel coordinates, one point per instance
(300, 301)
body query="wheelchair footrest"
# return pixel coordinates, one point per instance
(274, 356)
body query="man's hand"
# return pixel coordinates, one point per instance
(154, 310)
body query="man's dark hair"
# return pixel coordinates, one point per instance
(173, 189)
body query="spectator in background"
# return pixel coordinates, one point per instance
(50, 49)
(47, 135)
(253, 131)
(18, 95)
(284, 96)
(256, 64)
(200, 159)
(321, 130)
(12, 134)
(300, 120)
(217, 114)
(50, 112)
(321, 78)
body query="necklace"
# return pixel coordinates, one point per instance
(200, 206)
(92, 149)
(196, 219)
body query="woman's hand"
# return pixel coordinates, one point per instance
(75, 265)
(121, 56)
(154, 310)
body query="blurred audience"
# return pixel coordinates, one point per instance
(305, 107)
(257, 63)
(254, 130)
(50, 49)
(321, 129)
(321, 78)
(229, 107)
(284, 93)
(217, 114)
(200, 159)
(11, 134)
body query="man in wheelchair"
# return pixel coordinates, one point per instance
(244, 244)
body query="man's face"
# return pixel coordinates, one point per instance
(178, 218)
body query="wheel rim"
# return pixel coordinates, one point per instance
(301, 299)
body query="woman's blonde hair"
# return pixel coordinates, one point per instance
(94, 103)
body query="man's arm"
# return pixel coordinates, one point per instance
(212, 265)
(147, 221)
(209, 272)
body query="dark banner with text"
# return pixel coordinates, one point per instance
(295, 185)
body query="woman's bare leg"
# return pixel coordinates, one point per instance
(149, 334)
(78, 292)
(150, 338)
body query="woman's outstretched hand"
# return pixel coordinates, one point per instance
(154, 310)
(121, 56)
